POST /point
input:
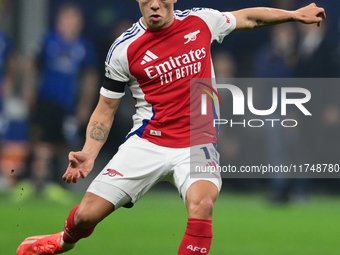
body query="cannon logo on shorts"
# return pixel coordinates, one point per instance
(112, 173)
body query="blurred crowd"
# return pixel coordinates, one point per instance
(48, 93)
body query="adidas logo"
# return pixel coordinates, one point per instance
(149, 56)
(155, 132)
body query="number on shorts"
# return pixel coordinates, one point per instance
(206, 152)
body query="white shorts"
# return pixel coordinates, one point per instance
(139, 164)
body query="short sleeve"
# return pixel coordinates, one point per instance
(116, 64)
(112, 88)
(115, 75)
(114, 71)
(111, 94)
(227, 24)
(219, 23)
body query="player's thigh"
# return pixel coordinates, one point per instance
(196, 169)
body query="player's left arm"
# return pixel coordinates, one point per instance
(260, 17)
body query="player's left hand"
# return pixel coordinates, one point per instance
(311, 14)
(80, 166)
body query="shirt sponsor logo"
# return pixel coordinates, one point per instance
(185, 61)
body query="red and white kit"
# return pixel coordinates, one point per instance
(157, 66)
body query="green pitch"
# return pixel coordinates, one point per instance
(243, 225)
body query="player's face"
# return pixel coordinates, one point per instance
(157, 14)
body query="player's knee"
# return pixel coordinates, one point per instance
(201, 209)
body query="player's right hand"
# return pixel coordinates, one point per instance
(80, 166)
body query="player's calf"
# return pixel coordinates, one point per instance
(200, 199)
(73, 233)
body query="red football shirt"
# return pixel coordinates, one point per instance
(158, 66)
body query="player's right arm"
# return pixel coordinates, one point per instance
(81, 162)
(98, 128)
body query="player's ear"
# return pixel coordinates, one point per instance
(174, 1)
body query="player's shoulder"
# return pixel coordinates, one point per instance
(121, 44)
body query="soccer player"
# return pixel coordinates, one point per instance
(62, 58)
(156, 58)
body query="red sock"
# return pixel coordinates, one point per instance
(197, 237)
(72, 233)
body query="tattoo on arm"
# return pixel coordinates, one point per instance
(260, 23)
(99, 132)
